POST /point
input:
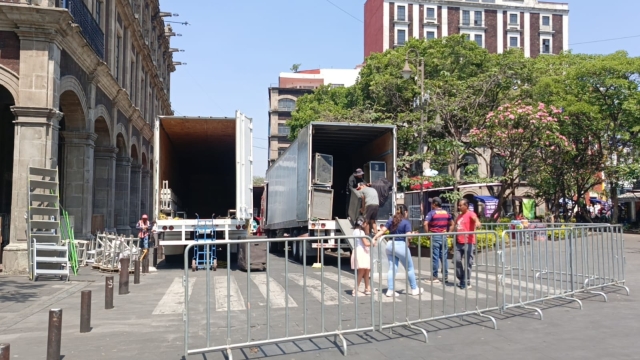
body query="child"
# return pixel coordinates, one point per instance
(361, 252)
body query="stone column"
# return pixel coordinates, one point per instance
(78, 179)
(134, 196)
(36, 144)
(123, 173)
(104, 194)
(144, 192)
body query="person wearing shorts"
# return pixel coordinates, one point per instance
(370, 207)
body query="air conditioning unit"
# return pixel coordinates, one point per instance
(375, 170)
(146, 41)
(136, 16)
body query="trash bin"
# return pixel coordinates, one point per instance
(258, 256)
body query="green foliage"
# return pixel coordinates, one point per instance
(483, 241)
(258, 181)
(600, 117)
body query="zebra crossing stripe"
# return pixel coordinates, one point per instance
(315, 289)
(173, 300)
(276, 291)
(348, 282)
(220, 291)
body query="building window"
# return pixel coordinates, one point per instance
(466, 17)
(497, 166)
(431, 13)
(513, 19)
(478, 39)
(283, 129)
(431, 35)
(286, 105)
(469, 166)
(117, 59)
(99, 13)
(333, 86)
(467, 36)
(281, 151)
(401, 37)
(546, 46)
(401, 13)
(513, 41)
(546, 21)
(477, 18)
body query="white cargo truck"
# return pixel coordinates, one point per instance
(305, 188)
(203, 179)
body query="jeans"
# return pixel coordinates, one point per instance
(144, 242)
(438, 254)
(464, 277)
(401, 255)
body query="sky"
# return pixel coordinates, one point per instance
(234, 50)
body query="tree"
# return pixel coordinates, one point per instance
(295, 67)
(258, 181)
(462, 81)
(519, 134)
(601, 92)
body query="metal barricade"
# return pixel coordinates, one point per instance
(445, 299)
(561, 263)
(292, 321)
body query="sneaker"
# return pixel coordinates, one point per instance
(391, 293)
(416, 291)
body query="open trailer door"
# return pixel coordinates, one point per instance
(244, 167)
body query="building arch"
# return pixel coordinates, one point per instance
(101, 112)
(11, 81)
(123, 143)
(70, 84)
(134, 143)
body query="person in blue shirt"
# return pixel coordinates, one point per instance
(397, 250)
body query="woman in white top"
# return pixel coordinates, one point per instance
(360, 258)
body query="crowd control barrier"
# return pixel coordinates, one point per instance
(568, 261)
(292, 301)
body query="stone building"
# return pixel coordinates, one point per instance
(536, 27)
(80, 83)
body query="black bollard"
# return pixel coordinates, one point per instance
(108, 293)
(155, 257)
(145, 264)
(136, 271)
(85, 311)
(123, 284)
(54, 337)
(5, 351)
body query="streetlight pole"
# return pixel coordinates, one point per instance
(406, 73)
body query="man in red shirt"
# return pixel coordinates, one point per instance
(467, 221)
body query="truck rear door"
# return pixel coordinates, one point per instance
(244, 167)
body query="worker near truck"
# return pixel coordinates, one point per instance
(354, 180)
(370, 207)
(143, 234)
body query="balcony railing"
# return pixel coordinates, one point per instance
(89, 26)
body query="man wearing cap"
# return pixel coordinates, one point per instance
(354, 180)
(438, 221)
(370, 207)
(143, 234)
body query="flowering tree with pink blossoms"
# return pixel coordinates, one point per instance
(524, 137)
